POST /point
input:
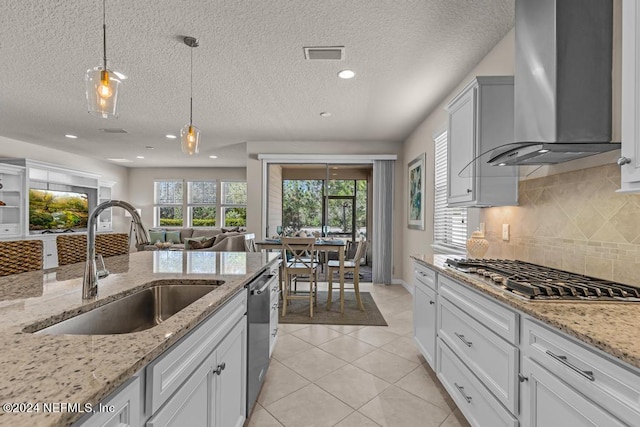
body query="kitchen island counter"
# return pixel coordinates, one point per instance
(83, 369)
(609, 326)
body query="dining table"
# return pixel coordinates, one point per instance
(322, 244)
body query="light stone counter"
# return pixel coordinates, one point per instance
(609, 326)
(85, 369)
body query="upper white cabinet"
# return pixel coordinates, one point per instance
(12, 200)
(480, 119)
(630, 159)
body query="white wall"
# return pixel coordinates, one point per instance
(500, 61)
(254, 178)
(141, 183)
(108, 171)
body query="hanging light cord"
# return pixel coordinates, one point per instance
(191, 91)
(104, 32)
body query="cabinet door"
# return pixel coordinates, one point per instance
(50, 253)
(547, 401)
(424, 322)
(191, 405)
(461, 139)
(630, 95)
(124, 408)
(230, 383)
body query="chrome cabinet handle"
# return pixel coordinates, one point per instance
(623, 161)
(274, 306)
(431, 302)
(220, 368)
(275, 332)
(461, 390)
(423, 274)
(522, 378)
(467, 343)
(469, 190)
(563, 359)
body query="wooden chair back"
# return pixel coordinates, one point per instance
(299, 252)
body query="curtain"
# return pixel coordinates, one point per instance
(382, 241)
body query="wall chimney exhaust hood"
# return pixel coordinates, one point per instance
(562, 82)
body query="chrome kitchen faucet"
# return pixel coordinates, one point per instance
(90, 282)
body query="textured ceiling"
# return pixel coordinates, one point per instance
(251, 81)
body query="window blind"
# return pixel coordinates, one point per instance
(450, 224)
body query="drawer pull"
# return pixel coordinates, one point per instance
(220, 368)
(467, 343)
(563, 359)
(274, 306)
(275, 332)
(431, 302)
(522, 378)
(461, 390)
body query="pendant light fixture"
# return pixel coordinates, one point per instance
(189, 134)
(101, 83)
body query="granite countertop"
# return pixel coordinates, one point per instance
(81, 369)
(609, 326)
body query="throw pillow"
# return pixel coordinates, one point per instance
(189, 240)
(195, 244)
(229, 229)
(157, 236)
(222, 236)
(173, 237)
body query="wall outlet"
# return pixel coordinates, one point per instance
(505, 232)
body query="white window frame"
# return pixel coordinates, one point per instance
(449, 224)
(224, 206)
(186, 206)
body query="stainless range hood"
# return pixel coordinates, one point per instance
(563, 82)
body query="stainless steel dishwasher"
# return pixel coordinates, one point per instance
(258, 315)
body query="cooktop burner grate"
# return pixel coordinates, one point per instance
(544, 283)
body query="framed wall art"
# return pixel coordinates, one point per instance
(416, 192)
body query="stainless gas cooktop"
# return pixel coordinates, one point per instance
(536, 282)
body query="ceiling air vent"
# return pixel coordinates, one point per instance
(113, 130)
(331, 53)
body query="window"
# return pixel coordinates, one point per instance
(203, 204)
(169, 203)
(450, 224)
(234, 203)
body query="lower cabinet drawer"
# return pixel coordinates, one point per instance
(273, 331)
(476, 403)
(613, 386)
(9, 229)
(492, 359)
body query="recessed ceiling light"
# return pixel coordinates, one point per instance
(171, 136)
(325, 114)
(71, 136)
(346, 74)
(149, 147)
(544, 150)
(139, 157)
(213, 157)
(119, 160)
(502, 164)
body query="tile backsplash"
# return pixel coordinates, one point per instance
(574, 221)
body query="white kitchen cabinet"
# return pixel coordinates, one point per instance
(479, 407)
(105, 219)
(214, 395)
(49, 252)
(630, 150)
(12, 198)
(547, 401)
(596, 382)
(424, 312)
(481, 118)
(120, 409)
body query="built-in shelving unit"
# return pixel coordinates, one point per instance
(11, 195)
(105, 220)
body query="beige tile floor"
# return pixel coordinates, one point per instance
(328, 375)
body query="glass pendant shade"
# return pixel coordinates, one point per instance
(102, 92)
(190, 137)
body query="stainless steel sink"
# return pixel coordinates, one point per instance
(133, 313)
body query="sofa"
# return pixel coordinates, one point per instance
(230, 239)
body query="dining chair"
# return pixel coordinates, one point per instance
(299, 259)
(20, 256)
(352, 265)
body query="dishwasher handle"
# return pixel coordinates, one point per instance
(264, 287)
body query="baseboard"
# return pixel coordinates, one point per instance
(404, 284)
